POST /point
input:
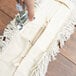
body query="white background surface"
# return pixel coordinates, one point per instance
(74, 1)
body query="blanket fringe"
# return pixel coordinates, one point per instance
(41, 67)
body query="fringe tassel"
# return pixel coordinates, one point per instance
(67, 30)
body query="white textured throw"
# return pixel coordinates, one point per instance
(27, 52)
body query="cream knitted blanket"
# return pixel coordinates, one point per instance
(29, 51)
